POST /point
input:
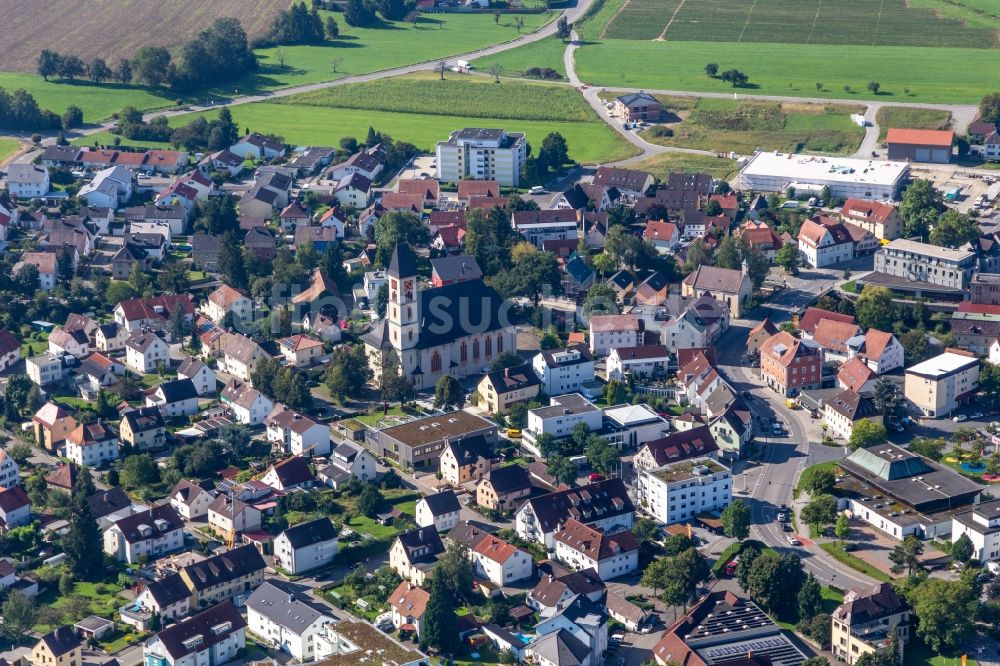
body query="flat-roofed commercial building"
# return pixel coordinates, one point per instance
(941, 384)
(846, 177)
(419, 443)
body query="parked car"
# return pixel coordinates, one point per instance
(792, 541)
(960, 418)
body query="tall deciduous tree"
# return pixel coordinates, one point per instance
(906, 556)
(448, 391)
(945, 612)
(875, 309)
(736, 520)
(866, 433)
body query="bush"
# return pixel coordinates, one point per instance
(546, 73)
(660, 131)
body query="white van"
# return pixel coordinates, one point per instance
(464, 64)
(537, 189)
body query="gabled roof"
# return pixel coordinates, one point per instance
(61, 640)
(594, 544)
(89, 434)
(293, 471)
(716, 280)
(596, 501)
(560, 648)
(864, 210)
(496, 549)
(225, 567)
(469, 450)
(64, 476)
(849, 404)
(833, 335)
(149, 524)
(283, 607)
(309, 533)
(920, 137)
(409, 600)
(12, 499)
(109, 501)
(421, 537)
(875, 343)
(812, 316)
(681, 445)
(509, 479)
(177, 390)
(442, 503)
(180, 640)
(168, 590)
(785, 348)
(855, 374)
(612, 323)
(513, 379)
(186, 492)
(457, 267)
(623, 179)
(224, 296)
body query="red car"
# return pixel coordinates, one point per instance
(595, 477)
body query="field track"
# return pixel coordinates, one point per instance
(113, 29)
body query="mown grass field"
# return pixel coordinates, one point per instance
(942, 75)
(744, 126)
(543, 53)
(114, 29)
(861, 22)
(7, 148)
(357, 51)
(662, 165)
(910, 118)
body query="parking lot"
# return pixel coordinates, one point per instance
(945, 177)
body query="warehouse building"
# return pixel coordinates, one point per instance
(915, 145)
(846, 177)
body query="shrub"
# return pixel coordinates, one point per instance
(660, 131)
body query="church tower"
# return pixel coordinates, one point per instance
(403, 312)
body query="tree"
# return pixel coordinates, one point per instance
(945, 612)
(711, 70)
(230, 262)
(915, 344)
(989, 382)
(82, 543)
(603, 458)
(554, 151)
(495, 70)
(906, 555)
(48, 64)
(151, 64)
(962, 549)
(788, 258)
(370, 501)
(16, 396)
(349, 372)
(774, 580)
(395, 228)
(331, 28)
(920, 206)
(885, 397)
(875, 309)
(866, 433)
(123, 71)
(72, 117)
(822, 510)
(392, 381)
(564, 29)
(810, 598)
(696, 256)
(686, 572)
(18, 616)
(820, 482)
(736, 520)
(440, 623)
(615, 393)
(71, 66)
(646, 530)
(441, 68)
(953, 229)
(99, 71)
(989, 108)
(656, 574)
(456, 571)
(842, 529)
(448, 391)
(139, 471)
(874, 86)
(563, 469)
(729, 254)
(735, 77)
(20, 452)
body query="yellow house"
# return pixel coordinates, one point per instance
(143, 429)
(415, 554)
(467, 460)
(866, 622)
(503, 488)
(61, 647)
(500, 389)
(52, 424)
(223, 576)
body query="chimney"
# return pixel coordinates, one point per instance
(506, 373)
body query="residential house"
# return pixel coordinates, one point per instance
(583, 547)
(224, 300)
(693, 442)
(335, 218)
(414, 554)
(300, 350)
(15, 508)
(440, 510)
(63, 479)
(296, 214)
(46, 369)
(731, 286)
(248, 405)
(558, 586)
(110, 337)
(880, 218)
(143, 536)
(420, 443)
(640, 362)
(261, 243)
(844, 410)
(190, 500)
(824, 244)
(630, 183)
(872, 619)
(788, 364)
(205, 251)
(353, 190)
(165, 599)
(563, 414)
(289, 474)
(939, 385)
(347, 461)
(662, 235)
(60, 647)
(109, 188)
(200, 373)
(368, 163)
(538, 226)
(10, 350)
(45, 262)
(306, 546)
(666, 492)
(451, 270)
(240, 356)
(880, 351)
(285, 622)
(92, 444)
(28, 181)
(500, 562)
(579, 628)
(143, 429)
(467, 459)
(602, 504)
(210, 638)
(810, 319)
(52, 424)
(833, 337)
(608, 332)
(765, 241)
(408, 603)
(258, 147)
(10, 473)
(579, 276)
(229, 516)
(74, 343)
(855, 376)
(500, 389)
(469, 189)
(177, 397)
(320, 237)
(139, 314)
(130, 255)
(635, 107)
(322, 326)
(297, 434)
(504, 488)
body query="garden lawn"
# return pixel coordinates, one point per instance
(837, 551)
(366, 525)
(104, 603)
(808, 472)
(942, 75)
(543, 53)
(918, 654)
(910, 118)
(662, 165)
(743, 127)
(357, 51)
(589, 142)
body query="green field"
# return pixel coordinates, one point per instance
(910, 118)
(538, 110)
(945, 75)
(543, 53)
(357, 51)
(7, 148)
(743, 126)
(662, 165)
(860, 22)
(976, 13)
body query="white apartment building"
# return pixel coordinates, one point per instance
(306, 546)
(145, 535)
(680, 491)
(562, 415)
(284, 622)
(482, 154)
(921, 262)
(46, 369)
(941, 384)
(92, 445)
(982, 526)
(608, 332)
(583, 547)
(563, 370)
(28, 181)
(211, 638)
(500, 562)
(538, 226)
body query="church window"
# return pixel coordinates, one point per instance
(436, 362)
(395, 313)
(411, 336)
(464, 352)
(475, 350)
(489, 347)
(500, 343)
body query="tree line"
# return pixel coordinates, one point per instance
(218, 54)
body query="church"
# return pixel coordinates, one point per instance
(457, 329)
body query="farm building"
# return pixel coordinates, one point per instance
(846, 177)
(915, 145)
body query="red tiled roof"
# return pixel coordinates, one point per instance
(812, 316)
(920, 137)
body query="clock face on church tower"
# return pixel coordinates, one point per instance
(408, 289)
